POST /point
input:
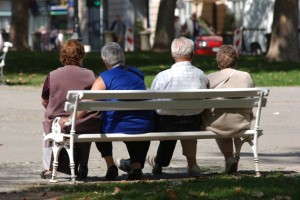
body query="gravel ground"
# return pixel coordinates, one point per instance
(21, 115)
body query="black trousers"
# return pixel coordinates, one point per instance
(171, 123)
(137, 150)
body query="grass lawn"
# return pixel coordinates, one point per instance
(31, 68)
(271, 186)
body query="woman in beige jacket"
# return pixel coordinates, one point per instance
(228, 121)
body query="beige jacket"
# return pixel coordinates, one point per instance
(228, 121)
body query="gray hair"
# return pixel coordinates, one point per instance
(227, 57)
(113, 54)
(182, 47)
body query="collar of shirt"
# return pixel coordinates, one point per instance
(117, 65)
(180, 64)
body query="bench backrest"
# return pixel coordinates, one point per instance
(81, 100)
(180, 99)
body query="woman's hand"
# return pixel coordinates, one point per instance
(64, 121)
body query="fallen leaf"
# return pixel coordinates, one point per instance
(171, 194)
(237, 189)
(176, 182)
(203, 194)
(279, 197)
(258, 194)
(193, 194)
(117, 190)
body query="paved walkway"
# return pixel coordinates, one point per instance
(20, 140)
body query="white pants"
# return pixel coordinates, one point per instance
(47, 154)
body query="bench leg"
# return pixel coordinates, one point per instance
(56, 150)
(238, 145)
(255, 158)
(72, 163)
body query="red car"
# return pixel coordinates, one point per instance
(207, 43)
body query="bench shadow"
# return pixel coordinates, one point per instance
(184, 176)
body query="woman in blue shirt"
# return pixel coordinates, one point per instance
(122, 77)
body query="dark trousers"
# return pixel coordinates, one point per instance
(81, 158)
(170, 123)
(137, 150)
(105, 148)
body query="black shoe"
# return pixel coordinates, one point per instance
(111, 173)
(135, 174)
(82, 173)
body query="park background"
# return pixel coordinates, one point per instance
(21, 115)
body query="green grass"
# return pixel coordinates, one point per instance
(271, 186)
(31, 68)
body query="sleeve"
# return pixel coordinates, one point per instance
(154, 84)
(46, 88)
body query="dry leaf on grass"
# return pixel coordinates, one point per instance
(279, 197)
(117, 190)
(171, 193)
(258, 194)
(237, 189)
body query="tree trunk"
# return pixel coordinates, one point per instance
(164, 33)
(284, 44)
(19, 25)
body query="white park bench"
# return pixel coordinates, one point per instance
(80, 100)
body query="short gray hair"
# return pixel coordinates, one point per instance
(182, 47)
(113, 54)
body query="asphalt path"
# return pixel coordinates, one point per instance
(21, 114)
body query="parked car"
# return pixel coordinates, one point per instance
(207, 43)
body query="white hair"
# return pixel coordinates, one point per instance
(112, 54)
(182, 47)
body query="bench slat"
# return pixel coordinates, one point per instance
(165, 104)
(97, 137)
(151, 94)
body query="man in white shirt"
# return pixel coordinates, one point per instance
(182, 75)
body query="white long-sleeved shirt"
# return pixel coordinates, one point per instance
(182, 75)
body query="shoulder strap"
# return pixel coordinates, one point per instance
(223, 82)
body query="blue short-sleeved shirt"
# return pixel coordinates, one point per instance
(131, 122)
